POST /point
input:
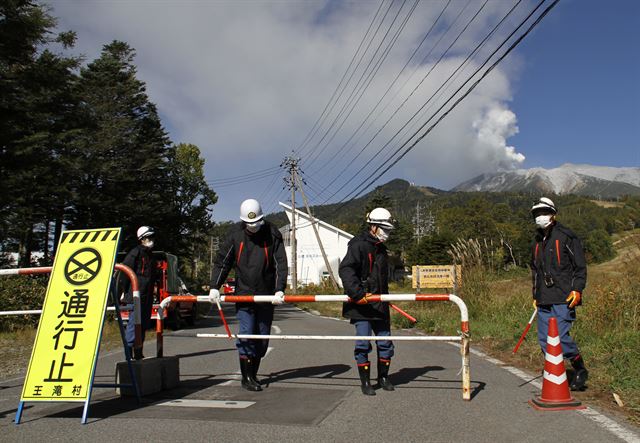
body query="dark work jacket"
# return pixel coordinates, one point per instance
(259, 259)
(141, 261)
(560, 256)
(365, 270)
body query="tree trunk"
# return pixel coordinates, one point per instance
(57, 232)
(24, 249)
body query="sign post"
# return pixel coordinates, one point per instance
(65, 352)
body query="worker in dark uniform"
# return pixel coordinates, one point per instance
(255, 249)
(140, 260)
(364, 271)
(559, 274)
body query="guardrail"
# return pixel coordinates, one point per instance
(135, 289)
(463, 338)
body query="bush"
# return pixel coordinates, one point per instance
(598, 246)
(19, 293)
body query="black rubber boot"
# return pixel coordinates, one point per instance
(579, 380)
(383, 375)
(246, 368)
(365, 378)
(254, 370)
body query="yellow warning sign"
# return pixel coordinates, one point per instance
(436, 276)
(66, 347)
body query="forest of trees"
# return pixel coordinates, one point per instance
(82, 146)
(430, 221)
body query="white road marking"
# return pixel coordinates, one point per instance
(276, 329)
(605, 422)
(193, 403)
(610, 425)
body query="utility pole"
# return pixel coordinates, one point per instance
(291, 164)
(418, 231)
(314, 221)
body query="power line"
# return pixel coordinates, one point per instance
(239, 178)
(332, 124)
(362, 168)
(466, 93)
(366, 79)
(343, 152)
(320, 119)
(404, 102)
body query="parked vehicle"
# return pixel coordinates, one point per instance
(168, 284)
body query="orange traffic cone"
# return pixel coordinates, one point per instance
(555, 389)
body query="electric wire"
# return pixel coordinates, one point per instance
(332, 182)
(322, 116)
(364, 82)
(463, 96)
(372, 158)
(341, 150)
(335, 119)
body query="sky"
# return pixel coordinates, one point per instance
(342, 85)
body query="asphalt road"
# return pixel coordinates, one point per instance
(312, 394)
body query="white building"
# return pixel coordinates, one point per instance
(310, 264)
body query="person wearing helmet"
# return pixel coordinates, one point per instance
(140, 260)
(364, 271)
(559, 274)
(254, 247)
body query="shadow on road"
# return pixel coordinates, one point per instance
(201, 353)
(324, 371)
(407, 375)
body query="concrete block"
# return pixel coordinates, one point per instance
(148, 374)
(170, 372)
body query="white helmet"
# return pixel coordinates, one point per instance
(250, 211)
(380, 217)
(144, 232)
(544, 203)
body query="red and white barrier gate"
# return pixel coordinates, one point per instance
(135, 289)
(463, 338)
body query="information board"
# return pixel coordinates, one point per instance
(436, 276)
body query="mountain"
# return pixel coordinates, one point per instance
(404, 197)
(586, 180)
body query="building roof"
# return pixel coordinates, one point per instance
(305, 216)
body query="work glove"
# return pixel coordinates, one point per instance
(535, 304)
(574, 299)
(214, 295)
(362, 301)
(278, 299)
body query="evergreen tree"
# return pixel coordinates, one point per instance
(38, 115)
(124, 176)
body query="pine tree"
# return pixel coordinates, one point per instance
(38, 114)
(123, 152)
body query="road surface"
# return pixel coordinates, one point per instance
(312, 394)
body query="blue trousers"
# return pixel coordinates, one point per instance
(565, 318)
(363, 347)
(146, 305)
(254, 319)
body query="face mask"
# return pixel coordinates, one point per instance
(147, 243)
(543, 221)
(254, 227)
(382, 234)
